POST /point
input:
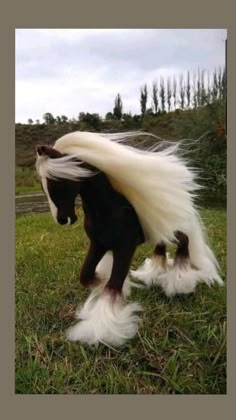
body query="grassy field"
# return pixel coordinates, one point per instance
(180, 347)
(26, 181)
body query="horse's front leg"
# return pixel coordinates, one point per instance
(122, 257)
(88, 277)
(105, 317)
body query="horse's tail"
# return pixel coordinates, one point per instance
(201, 256)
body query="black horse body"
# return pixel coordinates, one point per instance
(110, 222)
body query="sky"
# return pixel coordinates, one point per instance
(68, 71)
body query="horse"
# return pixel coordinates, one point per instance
(129, 196)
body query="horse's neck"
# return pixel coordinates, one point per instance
(97, 194)
(106, 209)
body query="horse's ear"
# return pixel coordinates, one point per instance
(48, 151)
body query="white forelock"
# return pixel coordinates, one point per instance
(65, 167)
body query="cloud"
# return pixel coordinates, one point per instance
(67, 71)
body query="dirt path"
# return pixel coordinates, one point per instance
(31, 203)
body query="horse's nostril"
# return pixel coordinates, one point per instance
(62, 220)
(73, 219)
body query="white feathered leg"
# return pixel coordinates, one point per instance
(194, 263)
(180, 278)
(106, 319)
(153, 270)
(183, 279)
(175, 278)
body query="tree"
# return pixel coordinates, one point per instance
(203, 90)
(30, 121)
(194, 91)
(220, 83)
(109, 116)
(215, 87)
(181, 91)
(92, 120)
(137, 119)
(48, 118)
(58, 119)
(117, 110)
(143, 99)
(127, 117)
(64, 119)
(224, 84)
(188, 90)
(174, 91)
(149, 112)
(169, 94)
(162, 94)
(155, 96)
(208, 95)
(198, 88)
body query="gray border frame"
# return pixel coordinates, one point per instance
(26, 14)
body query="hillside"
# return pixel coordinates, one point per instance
(203, 130)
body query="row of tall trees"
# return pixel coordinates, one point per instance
(191, 90)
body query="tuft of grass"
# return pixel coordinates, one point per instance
(181, 344)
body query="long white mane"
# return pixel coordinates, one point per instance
(157, 183)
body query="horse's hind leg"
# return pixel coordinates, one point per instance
(182, 251)
(160, 255)
(152, 268)
(180, 277)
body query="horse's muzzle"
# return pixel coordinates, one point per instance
(72, 220)
(67, 220)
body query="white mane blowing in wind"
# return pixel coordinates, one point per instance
(157, 184)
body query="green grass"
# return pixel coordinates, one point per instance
(21, 190)
(26, 181)
(180, 347)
